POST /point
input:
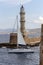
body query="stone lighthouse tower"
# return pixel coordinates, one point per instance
(22, 20)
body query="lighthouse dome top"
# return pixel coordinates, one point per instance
(22, 9)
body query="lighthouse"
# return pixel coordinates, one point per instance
(22, 20)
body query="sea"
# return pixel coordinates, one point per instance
(18, 59)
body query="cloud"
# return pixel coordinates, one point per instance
(15, 2)
(39, 20)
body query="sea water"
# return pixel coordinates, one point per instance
(19, 59)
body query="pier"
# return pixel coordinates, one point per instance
(9, 45)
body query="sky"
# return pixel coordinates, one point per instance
(9, 9)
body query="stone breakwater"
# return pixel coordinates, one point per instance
(33, 41)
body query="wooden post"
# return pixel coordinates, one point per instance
(41, 46)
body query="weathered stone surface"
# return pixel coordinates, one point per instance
(13, 38)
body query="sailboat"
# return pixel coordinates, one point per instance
(20, 41)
